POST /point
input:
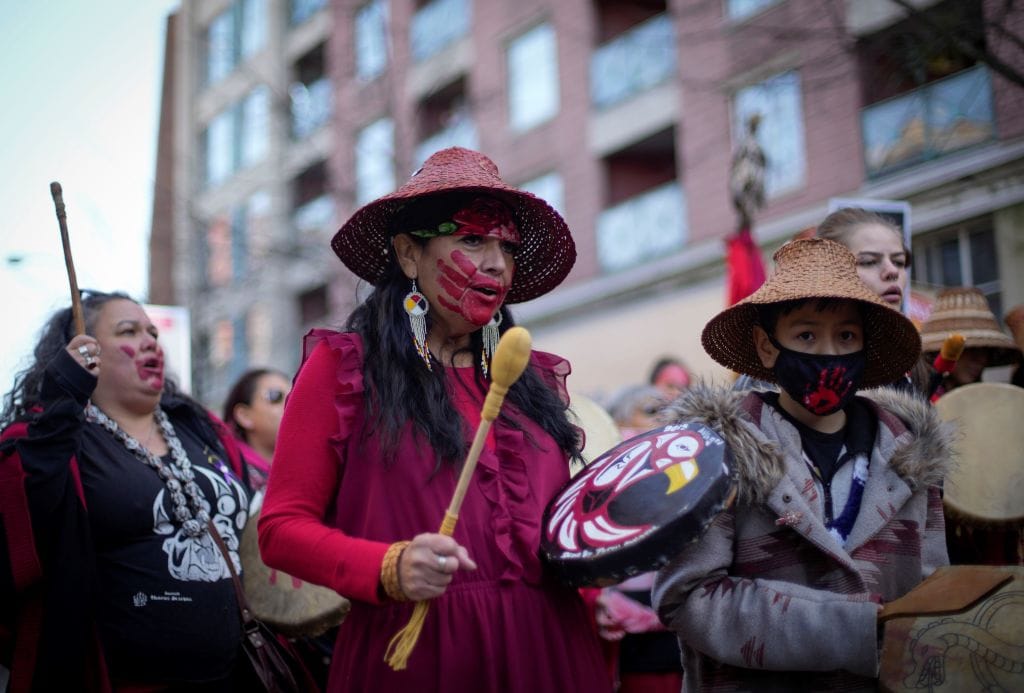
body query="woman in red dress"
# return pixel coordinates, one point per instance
(379, 422)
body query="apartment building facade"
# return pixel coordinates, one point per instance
(623, 115)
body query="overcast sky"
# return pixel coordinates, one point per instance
(81, 89)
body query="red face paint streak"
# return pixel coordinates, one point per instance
(127, 350)
(507, 233)
(151, 368)
(462, 282)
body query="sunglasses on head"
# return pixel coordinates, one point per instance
(273, 395)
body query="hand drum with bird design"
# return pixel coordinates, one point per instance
(637, 505)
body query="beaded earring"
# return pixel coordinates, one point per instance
(489, 339)
(416, 307)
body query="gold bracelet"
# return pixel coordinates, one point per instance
(389, 572)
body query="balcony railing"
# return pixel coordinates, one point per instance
(460, 133)
(928, 122)
(438, 24)
(636, 61)
(311, 107)
(648, 225)
(314, 216)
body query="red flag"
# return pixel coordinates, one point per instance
(744, 265)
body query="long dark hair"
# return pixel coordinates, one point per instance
(242, 393)
(25, 398)
(401, 389)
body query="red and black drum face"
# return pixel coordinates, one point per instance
(637, 505)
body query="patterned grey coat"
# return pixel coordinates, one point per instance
(768, 599)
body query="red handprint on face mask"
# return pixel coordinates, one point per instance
(833, 386)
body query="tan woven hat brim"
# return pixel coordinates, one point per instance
(546, 253)
(811, 269)
(964, 310)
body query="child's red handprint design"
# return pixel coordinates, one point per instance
(833, 385)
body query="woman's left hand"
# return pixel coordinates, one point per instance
(85, 350)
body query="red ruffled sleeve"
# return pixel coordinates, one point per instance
(306, 472)
(553, 370)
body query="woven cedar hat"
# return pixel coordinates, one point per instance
(1014, 319)
(964, 309)
(546, 252)
(811, 269)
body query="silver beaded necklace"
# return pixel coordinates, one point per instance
(178, 477)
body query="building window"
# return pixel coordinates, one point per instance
(237, 137)
(437, 24)
(223, 344)
(961, 256)
(781, 134)
(633, 61)
(258, 232)
(532, 78)
(260, 331)
(218, 251)
(253, 33)
(311, 94)
(255, 126)
(218, 146)
(239, 359)
(741, 9)
(647, 226)
(233, 36)
(375, 160)
(219, 49)
(304, 9)
(445, 119)
(371, 40)
(549, 188)
(239, 245)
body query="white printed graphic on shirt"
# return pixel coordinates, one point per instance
(198, 558)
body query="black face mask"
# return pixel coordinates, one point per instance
(822, 383)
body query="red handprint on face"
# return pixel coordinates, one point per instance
(833, 386)
(467, 291)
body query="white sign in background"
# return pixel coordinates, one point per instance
(176, 340)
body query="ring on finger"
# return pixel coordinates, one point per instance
(442, 561)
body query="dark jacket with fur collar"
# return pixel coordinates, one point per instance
(768, 589)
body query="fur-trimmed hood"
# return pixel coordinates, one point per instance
(923, 444)
(928, 454)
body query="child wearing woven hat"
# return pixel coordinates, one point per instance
(838, 507)
(379, 422)
(965, 310)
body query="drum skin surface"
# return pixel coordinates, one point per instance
(987, 485)
(600, 431)
(637, 505)
(960, 635)
(293, 607)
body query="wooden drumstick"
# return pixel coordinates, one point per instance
(510, 360)
(69, 263)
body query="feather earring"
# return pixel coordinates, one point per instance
(489, 339)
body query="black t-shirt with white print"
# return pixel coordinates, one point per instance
(167, 609)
